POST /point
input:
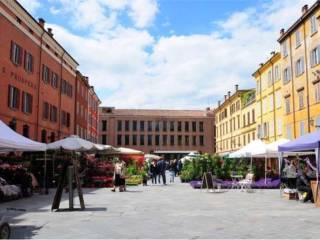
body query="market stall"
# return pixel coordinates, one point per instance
(306, 143)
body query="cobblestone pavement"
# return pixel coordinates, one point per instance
(172, 211)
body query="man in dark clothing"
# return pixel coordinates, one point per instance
(162, 166)
(303, 185)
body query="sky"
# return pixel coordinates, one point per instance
(167, 54)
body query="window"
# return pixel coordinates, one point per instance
(65, 119)
(54, 80)
(119, 125)
(126, 139)
(127, 125)
(164, 126)
(244, 120)
(149, 140)
(13, 97)
(141, 140)
(53, 113)
(171, 126)
(238, 120)
(284, 49)
(277, 74)
(270, 80)
(201, 140)
(278, 98)
(45, 111)
(134, 126)
(186, 126)
(301, 99)
(271, 128)
(186, 140)
(179, 140)
(313, 24)
(150, 126)
(271, 103)
(248, 117)
(104, 139)
(258, 86)
(317, 126)
(16, 53)
(315, 56)
(28, 62)
(43, 136)
(287, 105)
(194, 126)
(289, 131)
(26, 102)
(66, 88)
(179, 126)
(45, 74)
(164, 140)
(119, 140)
(157, 140)
(104, 125)
(299, 67)
(194, 140)
(253, 116)
(302, 132)
(201, 126)
(279, 126)
(265, 129)
(286, 75)
(259, 131)
(157, 127)
(172, 140)
(134, 140)
(298, 38)
(317, 91)
(142, 126)
(25, 131)
(244, 139)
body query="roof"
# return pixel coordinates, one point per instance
(45, 31)
(271, 60)
(156, 112)
(299, 21)
(237, 93)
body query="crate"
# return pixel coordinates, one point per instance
(316, 196)
(290, 196)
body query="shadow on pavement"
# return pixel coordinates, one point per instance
(87, 209)
(24, 231)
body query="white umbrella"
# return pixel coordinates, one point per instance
(123, 150)
(13, 141)
(72, 143)
(151, 157)
(255, 147)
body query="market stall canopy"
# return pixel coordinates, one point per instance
(122, 150)
(306, 142)
(256, 147)
(271, 149)
(12, 141)
(151, 157)
(72, 143)
(102, 147)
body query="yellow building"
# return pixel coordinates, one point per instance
(300, 64)
(269, 111)
(235, 121)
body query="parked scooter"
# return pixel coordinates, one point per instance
(5, 230)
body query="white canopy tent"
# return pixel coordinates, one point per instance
(72, 143)
(12, 141)
(150, 157)
(122, 150)
(255, 147)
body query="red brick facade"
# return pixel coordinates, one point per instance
(37, 78)
(93, 118)
(158, 130)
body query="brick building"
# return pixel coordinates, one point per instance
(158, 131)
(93, 117)
(38, 79)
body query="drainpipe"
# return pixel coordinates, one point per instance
(307, 75)
(274, 102)
(39, 83)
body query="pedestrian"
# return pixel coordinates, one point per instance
(179, 166)
(154, 172)
(162, 167)
(172, 170)
(119, 176)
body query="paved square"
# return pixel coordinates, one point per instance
(173, 211)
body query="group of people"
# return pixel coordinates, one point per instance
(158, 168)
(299, 178)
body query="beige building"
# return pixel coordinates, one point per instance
(235, 121)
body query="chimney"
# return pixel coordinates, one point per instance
(281, 31)
(273, 53)
(219, 103)
(304, 9)
(261, 64)
(50, 32)
(229, 94)
(41, 22)
(208, 109)
(225, 97)
(236, 87)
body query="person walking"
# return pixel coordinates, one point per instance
(162, 167)
(154, 172)
(172, 170)
(119, 176)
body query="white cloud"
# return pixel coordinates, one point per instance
(130, 68)
(31, 5)
(143, 12)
